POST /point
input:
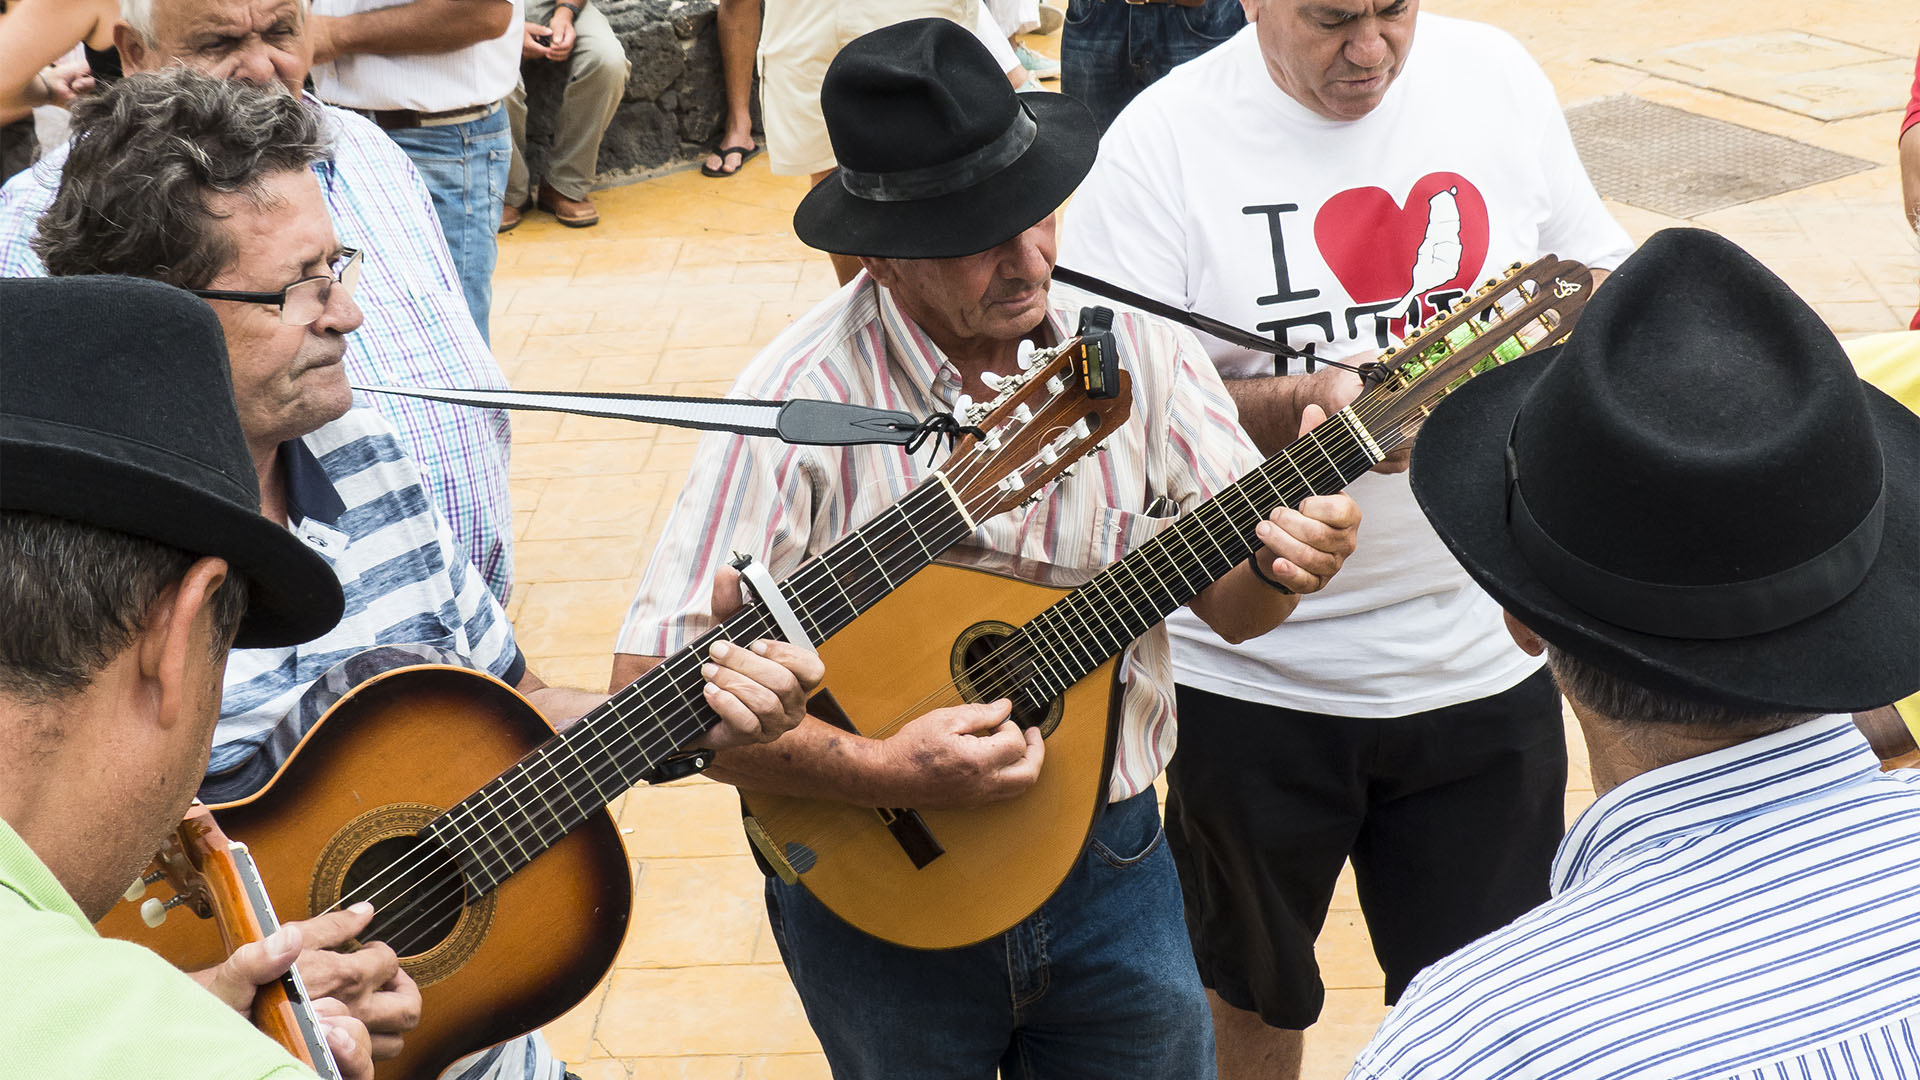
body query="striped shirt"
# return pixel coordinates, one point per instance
(418, 331)
(1752, 913)
(354, 497)
(783, 504)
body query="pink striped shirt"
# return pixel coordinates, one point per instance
(782, 504)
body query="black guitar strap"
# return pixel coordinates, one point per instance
(1226, 332)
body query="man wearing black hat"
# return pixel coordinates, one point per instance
(946, 191)
(131, 553)
(1711, 527)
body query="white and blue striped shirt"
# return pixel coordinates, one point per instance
(1749, 913)
(355, 497)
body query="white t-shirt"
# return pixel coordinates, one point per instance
(1217, 191)
(479, 74)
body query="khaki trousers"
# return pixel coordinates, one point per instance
(595, 80)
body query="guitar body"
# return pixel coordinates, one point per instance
(382, 761)
(999, 862)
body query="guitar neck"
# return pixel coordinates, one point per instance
(1082, 630)
(507, 823)
(1533, 307)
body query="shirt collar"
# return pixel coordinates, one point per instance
(310, 492)
(1714, 790)
(22, 871)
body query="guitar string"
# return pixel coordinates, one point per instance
(1015, 663)
(451, 889)
(437, 902)
(574, 798)
(545, 796)
(552, 812)
(964, 473)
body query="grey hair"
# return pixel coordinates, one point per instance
(1632, 705)
(88, 590)
(147, 152)
(138, 14)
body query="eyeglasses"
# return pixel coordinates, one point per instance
(303, 301)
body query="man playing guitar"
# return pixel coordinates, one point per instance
(131, 551)
(946, 192)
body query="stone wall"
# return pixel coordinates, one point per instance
(675, 99)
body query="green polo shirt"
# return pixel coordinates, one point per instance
(78, 1006)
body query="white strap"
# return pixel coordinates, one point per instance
(756, 578)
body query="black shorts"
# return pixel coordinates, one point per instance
(1451, 818)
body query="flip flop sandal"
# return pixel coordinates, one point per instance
(746, 153)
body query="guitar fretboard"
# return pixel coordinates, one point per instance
(507, 823)
(1077, 634)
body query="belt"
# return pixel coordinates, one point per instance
(400, 119)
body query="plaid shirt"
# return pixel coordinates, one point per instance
(418, 331)
(784, 504)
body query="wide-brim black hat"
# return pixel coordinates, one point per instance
(938, 157)
(1705, 499)
(117, 411)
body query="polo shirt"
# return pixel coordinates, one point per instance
(1751, 913)
(354, 497)
(77, 1005)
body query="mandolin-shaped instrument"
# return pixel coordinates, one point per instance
(992, 628)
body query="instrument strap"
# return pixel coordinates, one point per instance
(1226, 332)
(813, 423)
(754, 575)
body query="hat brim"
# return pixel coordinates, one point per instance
(969, 221)
(293, 596)
(1860, 653)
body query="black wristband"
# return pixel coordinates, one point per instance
(1253, 564)
(569, 5)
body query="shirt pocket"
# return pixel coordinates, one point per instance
(1117, 532)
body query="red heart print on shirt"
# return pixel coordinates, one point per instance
(1383, 250)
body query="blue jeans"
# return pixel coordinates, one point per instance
(1111, 50)
(465, 170)
(1099, 984)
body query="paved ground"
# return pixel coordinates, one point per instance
(687, 276)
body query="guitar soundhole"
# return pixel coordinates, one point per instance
(988, 665)
(416, 889)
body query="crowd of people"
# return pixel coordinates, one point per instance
(1693, 525)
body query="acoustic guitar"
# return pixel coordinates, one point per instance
(440, 796)
(218, 880)
(980, 631)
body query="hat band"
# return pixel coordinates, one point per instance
(910, 185)
(1718, 612)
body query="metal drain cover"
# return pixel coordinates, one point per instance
(1683, 164)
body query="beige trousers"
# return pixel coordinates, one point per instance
(595, 80)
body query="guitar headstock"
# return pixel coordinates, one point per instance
(1042, 420)
(217, 879)
(1522, 312)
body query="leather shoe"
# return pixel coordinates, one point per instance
(511, 216)
(573, 213)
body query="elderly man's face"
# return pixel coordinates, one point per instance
(260, 42)
(1336, 57)
(287, 380)
(997, 295)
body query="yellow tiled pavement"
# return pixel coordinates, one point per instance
(687, 276)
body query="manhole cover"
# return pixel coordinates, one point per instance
(1683, 164)
(1802, 73)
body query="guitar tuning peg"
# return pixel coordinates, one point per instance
(994, 381)
(139, 887)
(154, 911)
(1048, 454)
(1080, 429)
(1023, 354)
(1067, 473)
(1022, 413)
(961, 404)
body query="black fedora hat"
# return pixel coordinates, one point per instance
(116, 410)
(938, 156)
(1704, 498)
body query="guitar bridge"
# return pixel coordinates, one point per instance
(910, 830)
